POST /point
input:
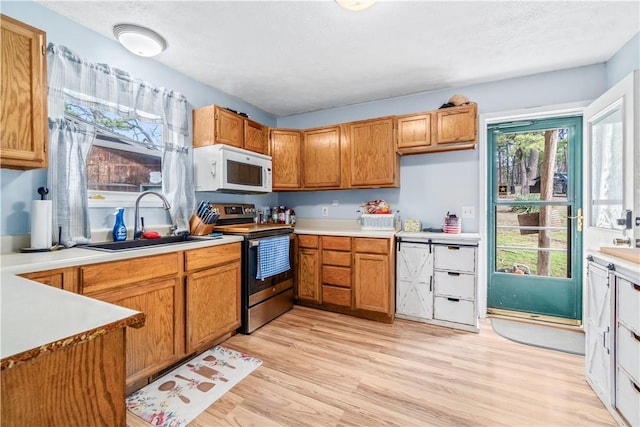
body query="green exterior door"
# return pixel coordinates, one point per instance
(535, 219)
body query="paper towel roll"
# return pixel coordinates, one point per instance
(41, 224)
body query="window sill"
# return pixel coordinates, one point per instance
(114, 199)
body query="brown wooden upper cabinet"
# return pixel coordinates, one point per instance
(373, 159)
(286, 159)
(23, 96)
(215, 125)
(447, 129)
(321, 157)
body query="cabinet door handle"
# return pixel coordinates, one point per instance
(635, 336)
(636, 287)
(635, 386)
(430, 283)
(451, 273)
(453, 248)
(605, 344)
(454, 299)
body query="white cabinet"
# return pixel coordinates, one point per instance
(627, 380)
(436, 282)
(597, 329)
(414, 281)
(612, 339)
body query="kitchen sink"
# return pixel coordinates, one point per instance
(129, 245)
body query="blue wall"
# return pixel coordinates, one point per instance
(626, 60)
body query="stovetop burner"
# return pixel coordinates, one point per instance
(240, 219)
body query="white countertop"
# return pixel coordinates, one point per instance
(19, 263)
(628, 268)
(338, 227)
(35, 315)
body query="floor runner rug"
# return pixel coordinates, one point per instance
(178, 397)
(540, 335)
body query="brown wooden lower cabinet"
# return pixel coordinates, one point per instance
(353, 275)
(80, 385)
(62, 278)
(213, 297)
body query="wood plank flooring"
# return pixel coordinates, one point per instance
(328, 369)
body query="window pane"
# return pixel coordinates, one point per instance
(519, 160)
(110, 169)
(606, 169)
(526, 246)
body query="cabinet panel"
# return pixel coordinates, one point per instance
(286, 159)
(628, 352)
(229, 128)
(414, 132)
(372, 246)
(100, 277)
(628, 398)
(23, 96)
(212, 304)
(373, 158)
(371, 287)
(337, 296)
(157, 343)
(455, 258)
(307, 241)
(336, 243)
(457, 124)
(321, 157)
(629, 304)
(336, 258)
(211, 256)
(308, 281)
(454, 284)
(337, 276)
(598, 359)
(63, 278)
(256, 137)
(454, 310)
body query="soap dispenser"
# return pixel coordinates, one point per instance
(119, 229)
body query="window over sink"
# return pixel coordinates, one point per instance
(125, 158)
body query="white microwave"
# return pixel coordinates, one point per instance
(228, 169)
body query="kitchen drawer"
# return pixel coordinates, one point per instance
(628, 398)
(455, 258)
(454, 284)
(211, 256)
(337, 276)
(337, 243)
(454, 310)
(109, 275)
(336, 258)
(629, 304)
(307, 241)
(372, 246)
(628, 352)
(337, 296)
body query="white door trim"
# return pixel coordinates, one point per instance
(561, 110)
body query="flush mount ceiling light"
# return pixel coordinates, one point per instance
(139, 40)
(356, 4)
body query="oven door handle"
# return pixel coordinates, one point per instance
(255, 242)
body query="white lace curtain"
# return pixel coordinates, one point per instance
(102, 87)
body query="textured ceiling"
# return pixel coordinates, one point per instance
(288, 57)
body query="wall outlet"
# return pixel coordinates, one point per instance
(334, 203)
(325, 211)
(468, 212)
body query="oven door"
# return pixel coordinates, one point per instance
(261, 289)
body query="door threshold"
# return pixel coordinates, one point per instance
(538, 319)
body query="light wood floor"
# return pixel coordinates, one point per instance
(327, 369)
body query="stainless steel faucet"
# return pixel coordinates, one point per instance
(137, 231)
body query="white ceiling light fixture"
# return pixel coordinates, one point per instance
(139, 40)
(356, 4)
